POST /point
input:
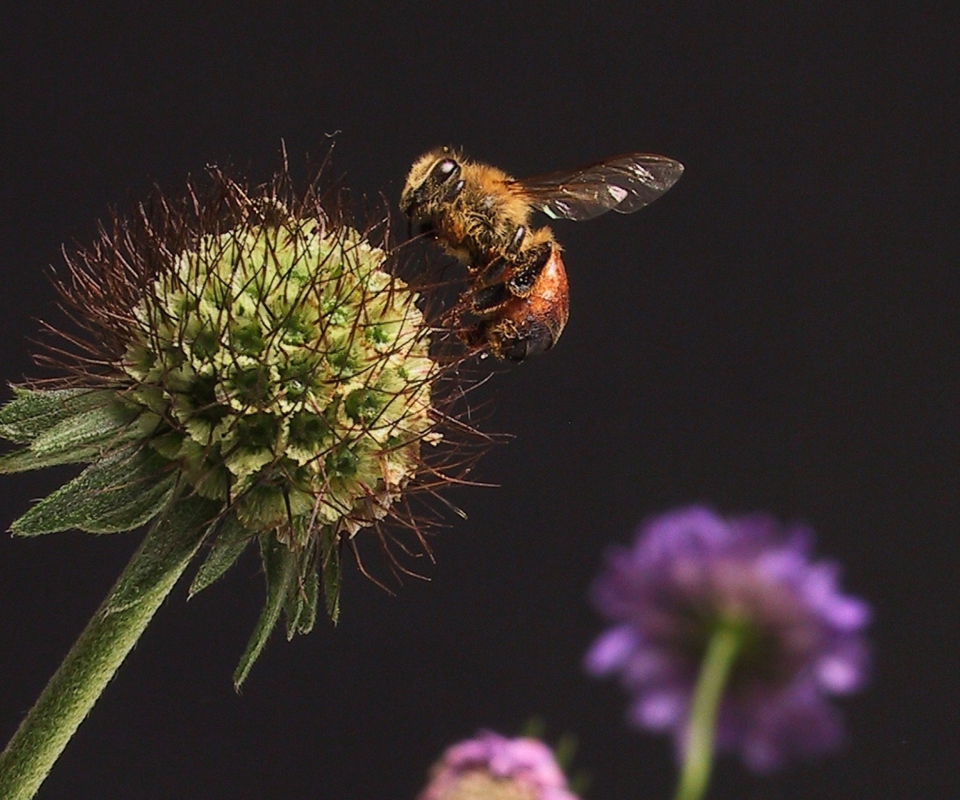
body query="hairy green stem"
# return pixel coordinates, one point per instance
(97, 654)
(701, 728)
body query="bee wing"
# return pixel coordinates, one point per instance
(624, 184)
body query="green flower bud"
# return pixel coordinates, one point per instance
(292, 370)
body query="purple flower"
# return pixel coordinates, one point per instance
(492, 767)
(691, 571)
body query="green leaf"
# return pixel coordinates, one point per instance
(81, 436)
(108, 425)
(116, 493)
(292, 607)
(301, 606)
(34, 411)
(26, 460)
(330, 568)
(308, 614)
(280, 568)
(231, 541)
(174, 539)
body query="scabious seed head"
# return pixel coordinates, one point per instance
(492, 767)
(249, 347)
(292, 373)
(689, 574)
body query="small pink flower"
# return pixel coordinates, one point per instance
(492, 767)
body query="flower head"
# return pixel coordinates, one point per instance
(492, 767)
(691, 573)
(248, 350)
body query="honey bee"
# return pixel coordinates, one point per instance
(518, 288)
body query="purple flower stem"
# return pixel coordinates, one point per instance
(698, 756)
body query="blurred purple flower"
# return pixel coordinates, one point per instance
(492, 767)
(690, 571)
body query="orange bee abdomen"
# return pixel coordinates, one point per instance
(550, 298)
(530, 325)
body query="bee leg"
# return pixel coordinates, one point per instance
(518, 237)
(489, 297)
(509, 275)
(509, 340)
(474, 336)
(521, 281)
(493, 273)
(454, 191)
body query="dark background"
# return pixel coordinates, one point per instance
(777, 333)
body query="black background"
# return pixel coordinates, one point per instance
(776, 333)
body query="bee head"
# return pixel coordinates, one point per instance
(434, 181)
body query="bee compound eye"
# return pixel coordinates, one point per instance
(444, 170)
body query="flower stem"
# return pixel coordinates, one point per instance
(698, 761)
(97, 654)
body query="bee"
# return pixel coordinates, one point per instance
(479, 214)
